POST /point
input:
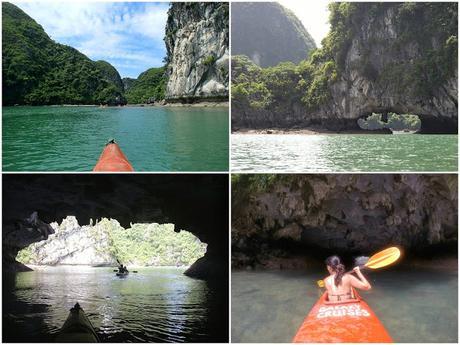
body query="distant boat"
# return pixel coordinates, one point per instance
(403, 131)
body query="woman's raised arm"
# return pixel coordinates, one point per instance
(360, 283)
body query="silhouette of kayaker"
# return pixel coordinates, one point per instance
(122, 269)
(339, 284)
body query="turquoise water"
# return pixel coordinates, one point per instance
(414, 305)
(343, 152)
(153, 138)
(153, 305)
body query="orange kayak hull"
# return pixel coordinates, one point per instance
(113, 159)
(342, 322)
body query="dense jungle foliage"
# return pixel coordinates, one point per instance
(37, 70)
(149, 87)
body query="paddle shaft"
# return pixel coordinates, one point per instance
(128, 271)
(360, 268)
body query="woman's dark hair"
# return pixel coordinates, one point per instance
(338, 268)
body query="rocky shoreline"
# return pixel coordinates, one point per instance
(307, 131)
(443, 263)
(166, 105)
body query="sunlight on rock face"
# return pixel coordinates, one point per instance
(106, 241)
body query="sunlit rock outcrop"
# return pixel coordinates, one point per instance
(71, 244)
(197, 51)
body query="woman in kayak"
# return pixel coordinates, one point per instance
(339, 283)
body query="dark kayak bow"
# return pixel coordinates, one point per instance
(77, 328)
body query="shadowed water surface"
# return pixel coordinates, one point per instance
(153, 138)
(344, 152)
(153, 305)
(414, 305)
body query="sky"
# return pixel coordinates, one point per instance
(129, 35)
(313, 15)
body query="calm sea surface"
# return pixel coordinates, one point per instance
(414, 305)
(153, 305)
(153, 139)
(343, 152)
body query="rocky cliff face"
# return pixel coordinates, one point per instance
(280, 216)
(128, 83)
(268, 34)
(197, 51)
(389, 64)
(20, 234)
(378, 57)
(72, 244)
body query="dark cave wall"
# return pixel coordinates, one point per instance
(196, 203)
(281, 216)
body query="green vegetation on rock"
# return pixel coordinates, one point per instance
(209, 60)
(149, 87)
(396, 122)
(39, 71)
(106, 241)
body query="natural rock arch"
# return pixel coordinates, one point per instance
(198, 203)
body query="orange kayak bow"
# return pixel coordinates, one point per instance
(113, 159)
(351, 321)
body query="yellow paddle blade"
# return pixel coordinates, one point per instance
(320, 283)
(384, 258)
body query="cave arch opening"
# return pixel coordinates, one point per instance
(391, 122)
(105, 242)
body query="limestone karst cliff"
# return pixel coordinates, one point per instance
(377, 57)
(268, 34)
(70, 244)
(284, 215)
(197, 37)
(400, 58)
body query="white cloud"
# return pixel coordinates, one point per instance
(314, 16)
(70, 19)
(105, 30)
(150, 23)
